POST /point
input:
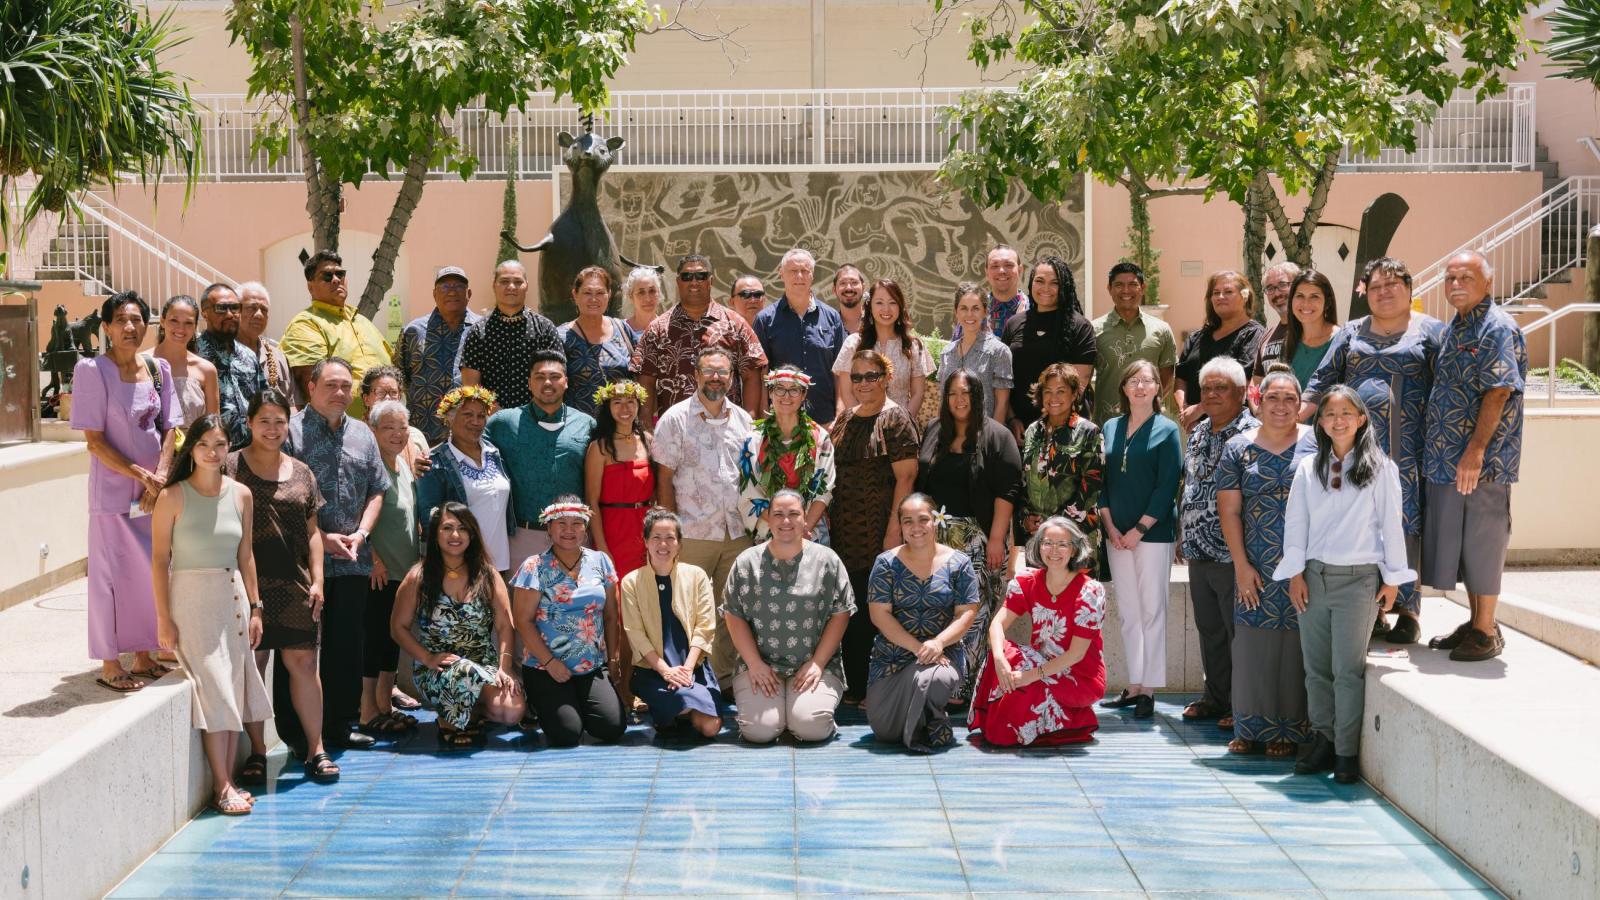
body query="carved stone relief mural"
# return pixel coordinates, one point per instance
(901, 225)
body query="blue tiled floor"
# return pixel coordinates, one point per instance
(1151, 808)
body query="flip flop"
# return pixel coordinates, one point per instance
(122, 684)
(155, 673)
(403, 700)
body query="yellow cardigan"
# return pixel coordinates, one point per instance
(691, 603)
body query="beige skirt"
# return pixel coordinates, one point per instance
(213, 617)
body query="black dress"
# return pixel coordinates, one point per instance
(666, 702)
(1037, 341)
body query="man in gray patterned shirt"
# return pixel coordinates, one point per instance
(787, 604)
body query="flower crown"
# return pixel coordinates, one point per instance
(460, 395)
(617, 390)
(557, 510)
(787, 376)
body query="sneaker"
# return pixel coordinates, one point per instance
(1405, 631)
(1478, 646)
(1452, 640)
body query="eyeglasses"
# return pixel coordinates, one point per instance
(1276, 286)
(788, 391)
(1055, 545)
(1338, 473)
(716, 373)
(752, 295)
(1142, 382)
(333, 275)
(868, 377)
(694, 276)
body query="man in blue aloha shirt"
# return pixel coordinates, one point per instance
(1471, 453)
(429, 351)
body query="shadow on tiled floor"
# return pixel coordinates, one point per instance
(1150, 808)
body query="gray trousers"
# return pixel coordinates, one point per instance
(1211, 590)
(1334, 631)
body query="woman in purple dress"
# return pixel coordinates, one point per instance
(127, 408)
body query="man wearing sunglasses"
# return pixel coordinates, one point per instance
(749, 298)
(665, 354)
(330, 327)
(238, 371)
(800, 330)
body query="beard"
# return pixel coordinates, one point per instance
(850, 302)
(713, 394)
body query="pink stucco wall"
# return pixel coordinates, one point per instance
(1446, 210)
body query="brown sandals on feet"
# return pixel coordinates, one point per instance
(1244, 746)
(122, 684)
(322, 769)
(254, 771)
(155, 673)
(1281, 750)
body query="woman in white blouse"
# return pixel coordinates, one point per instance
(468, 469)
(1344, 548)
(887, 329)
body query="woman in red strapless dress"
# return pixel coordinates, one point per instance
(620, 484)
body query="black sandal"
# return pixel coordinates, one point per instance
(322, 769)
(454, 738)
(254, 771)
(382, 725)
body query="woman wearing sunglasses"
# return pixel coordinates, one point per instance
(875, 465)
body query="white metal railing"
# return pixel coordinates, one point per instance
(1541, 239)
(1466, 135)
(1549, 320)
(111, 251)
(864, 128)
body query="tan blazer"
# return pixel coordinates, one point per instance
(691, 603)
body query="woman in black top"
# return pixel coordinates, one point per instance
(970, 466)
(1229, 330)
(1051, 330)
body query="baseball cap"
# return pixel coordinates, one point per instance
(449, 271)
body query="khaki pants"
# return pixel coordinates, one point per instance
(716, 559)
(808, 716)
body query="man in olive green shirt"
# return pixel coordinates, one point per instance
(1125, 334)
(331, 327)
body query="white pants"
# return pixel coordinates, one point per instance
(1142, 577)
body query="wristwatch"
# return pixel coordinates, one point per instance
(1141, 527)
(363, 533)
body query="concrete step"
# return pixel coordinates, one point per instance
(1496, 758)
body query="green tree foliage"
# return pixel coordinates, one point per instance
(369, 87)
(1226, 95)
(83, 99)
(1574, 44)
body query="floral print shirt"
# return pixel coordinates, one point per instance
(1202, 527)
(703, 454)
(757, 463)
(1063, 470)
(571, 616)
(1483, 350)
(787, 603)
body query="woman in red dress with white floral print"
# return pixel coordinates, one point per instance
(1043, 693)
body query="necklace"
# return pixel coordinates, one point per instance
(453, 572)
(569, 569)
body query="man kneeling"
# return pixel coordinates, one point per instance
(787, 603)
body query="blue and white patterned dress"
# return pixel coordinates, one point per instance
(593, 366)
(1262, 478)
(571, 616)
(1393, 374)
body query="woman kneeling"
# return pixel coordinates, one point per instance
(923, 598)
(452, 616)
(1043, 693)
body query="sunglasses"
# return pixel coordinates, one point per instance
(752, 295)
(333, 275)
(227, 308)
(868, 377)
(694, 276)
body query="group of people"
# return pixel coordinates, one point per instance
(672, 510)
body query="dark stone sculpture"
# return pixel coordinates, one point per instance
(579, 237)
(1379, 222)
(69, 341)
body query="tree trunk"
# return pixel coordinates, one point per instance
(1141, 245)
(322, 198)
(1255, 239)
(394, 232)
(1591, 322)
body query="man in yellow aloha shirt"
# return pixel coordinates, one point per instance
(332, 328)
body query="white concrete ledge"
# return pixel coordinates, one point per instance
(1562, 628)
(1500, 760)
(76, 819)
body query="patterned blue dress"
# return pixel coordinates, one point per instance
(593, 366)
(907, 703)
(1269, 692)
(1393, 374)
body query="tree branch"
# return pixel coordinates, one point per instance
(394, 231)
(723, 37)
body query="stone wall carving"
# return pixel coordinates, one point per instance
(895, 224)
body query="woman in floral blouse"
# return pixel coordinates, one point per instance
(564, 603)
(923, 597)
(1043, 692)
(1063, 462)
(787, 449)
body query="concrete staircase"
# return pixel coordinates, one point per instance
(80, 251)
